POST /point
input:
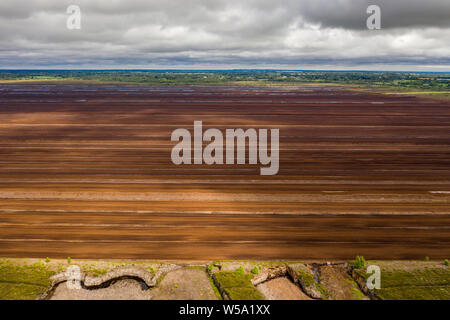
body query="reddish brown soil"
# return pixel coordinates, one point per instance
(85, 171)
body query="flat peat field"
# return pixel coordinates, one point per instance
(86, 172)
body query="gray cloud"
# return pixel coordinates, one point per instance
(218, 33)
(395, 13)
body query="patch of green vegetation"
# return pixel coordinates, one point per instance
(69, 260)
(427, 258)
(240, 271)
(420, 284)
(214, 287)
(415, 293)
(160, 278)
(425, 277)
(99, 268)
(229, 279)
(399, 82)
(359, 262)
(357, 294)
(255, 270)
(94, 271)
(238, 285)
(308, 280)
(24, 282)
(446, 262)
(47, 259)
(362, 274)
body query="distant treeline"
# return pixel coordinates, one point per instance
(427, 81)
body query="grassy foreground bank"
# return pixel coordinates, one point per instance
(28, 279)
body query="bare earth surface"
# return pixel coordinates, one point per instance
(184, 284)
(121, 290)
(181, 284)
(85, 172)
(281, 289)
(336, 280)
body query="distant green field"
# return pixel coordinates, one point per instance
(422, 82)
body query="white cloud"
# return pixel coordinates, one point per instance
(217, 33)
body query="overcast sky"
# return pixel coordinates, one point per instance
(217, 34)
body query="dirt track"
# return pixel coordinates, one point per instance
(85, 171)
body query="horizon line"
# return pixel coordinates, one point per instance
(221, 70)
